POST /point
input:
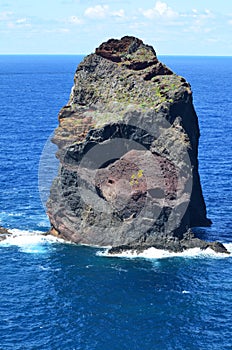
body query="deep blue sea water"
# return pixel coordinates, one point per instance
(61, 296)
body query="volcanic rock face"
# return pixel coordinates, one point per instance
(127, 144)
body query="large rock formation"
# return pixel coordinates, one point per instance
(128, 145)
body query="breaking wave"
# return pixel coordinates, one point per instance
(30, 241)
(38, 242)
(153, 253)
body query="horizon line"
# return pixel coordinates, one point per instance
(84, 54)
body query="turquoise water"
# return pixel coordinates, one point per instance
(61, 296)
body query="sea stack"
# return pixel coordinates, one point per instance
(128, 150)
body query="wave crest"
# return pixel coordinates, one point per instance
(153, 253)
(30, 241)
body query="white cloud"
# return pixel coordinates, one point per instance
(21, 20)
(119, 13)
(62, 30)
(161, 9)
(213, 40)
(209, 13)
(74, 20)
(10, 20)
(57, 30)
(202, 15)
(202, 20)
(5, 15)
(98, 11)
(102, 11)
(18, 23)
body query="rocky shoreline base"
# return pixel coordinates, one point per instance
(170, 245)
(189, 241)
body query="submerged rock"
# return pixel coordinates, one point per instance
(128, 146)
(4, 233)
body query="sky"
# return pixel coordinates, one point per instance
(173, 27)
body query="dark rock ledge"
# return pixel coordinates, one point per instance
(128, 150)
(4, 233)
(176, 246)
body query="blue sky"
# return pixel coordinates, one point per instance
(173, 27)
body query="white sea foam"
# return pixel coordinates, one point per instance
(153, 253)
(30, 241)
(15, 214)
(37, 242)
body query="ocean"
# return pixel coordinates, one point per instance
(55, 295)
